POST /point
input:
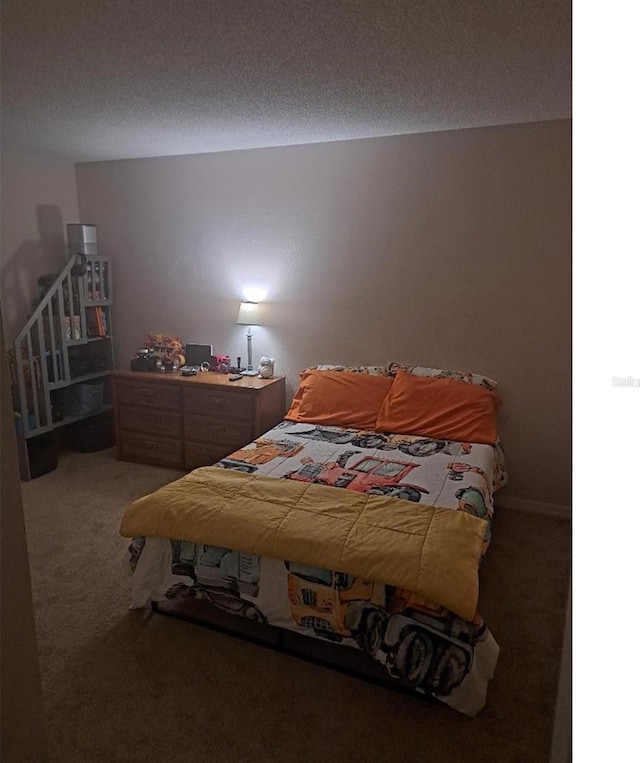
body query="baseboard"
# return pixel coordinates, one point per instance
(536, 507)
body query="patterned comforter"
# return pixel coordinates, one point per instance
(421, 645)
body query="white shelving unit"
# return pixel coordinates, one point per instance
(65, 344)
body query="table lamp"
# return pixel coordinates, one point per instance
(248, 315)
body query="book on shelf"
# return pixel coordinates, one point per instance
(105, 322)
(72, 328)
(97, 324)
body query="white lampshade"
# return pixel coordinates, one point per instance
(249, 314)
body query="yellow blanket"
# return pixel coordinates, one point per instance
(431, 551)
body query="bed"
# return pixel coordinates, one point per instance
(345, 534)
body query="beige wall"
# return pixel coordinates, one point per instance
(39, 198)
(447, 249)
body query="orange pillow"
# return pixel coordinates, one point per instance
(440, 408)
(294, 408)
(339, 399)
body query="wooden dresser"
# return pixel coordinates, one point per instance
(191, 421)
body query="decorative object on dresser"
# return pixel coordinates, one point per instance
(144, 361)
(221, 364)
(265, 369)
(167, 351)
(191, 421)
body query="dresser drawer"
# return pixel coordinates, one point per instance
(152, 422)
(219, 404)
(189, 422)
(149, 449)
(217, 431)
(203, 454)
(149, 395)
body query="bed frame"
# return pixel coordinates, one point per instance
(351, 662)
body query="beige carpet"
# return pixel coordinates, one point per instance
(123, 685)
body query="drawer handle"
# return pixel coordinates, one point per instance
(147, 391)
(151, 443)
(217, 401)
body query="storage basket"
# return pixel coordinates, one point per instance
(43, 455)
(91, 434)
(83, 399)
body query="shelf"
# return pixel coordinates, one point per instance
(80, 342)
(87, 377)
(53, 345)
(68, 420)
(72, 419)
(77, 379)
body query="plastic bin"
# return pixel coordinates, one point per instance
(83, 399)
(94, 433)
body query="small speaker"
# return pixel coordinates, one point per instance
(196, 354)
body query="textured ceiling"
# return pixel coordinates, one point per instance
(109, 79)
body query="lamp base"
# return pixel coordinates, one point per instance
(249, 373)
